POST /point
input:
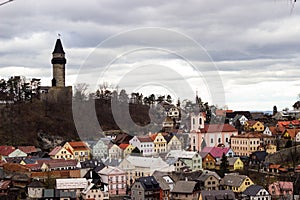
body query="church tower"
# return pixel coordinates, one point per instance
(58, 61)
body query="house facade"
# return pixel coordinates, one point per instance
(190, 159)
(281, 189)
(247, 143)
(252, 125)
(61, 153)
(145, 188)
(100, 150)
(256, 192)
(236, 183)
(80, 150)
(115, 178)
(160, 144)
(189, 190)
(140, 166)
(174, 144)
(115, 152)
(144, 144)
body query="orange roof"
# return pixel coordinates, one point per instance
(123, 146)
(77, 144)
(292, 132)
(252, 135)
(153, 136)
(274, 166)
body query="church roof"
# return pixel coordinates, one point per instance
(58, 47)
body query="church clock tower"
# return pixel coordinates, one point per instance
(58, 61)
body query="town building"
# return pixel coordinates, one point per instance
(145, 188)
(139, 166)
(80, 150)
(115, 178)
(144, 144)
(217, 194)
(209, 180)
(190, 159)
(235, 182)
(189, 190)
(60, 152)
(256, 192)
(247, 143)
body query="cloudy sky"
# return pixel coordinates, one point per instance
(245, 51)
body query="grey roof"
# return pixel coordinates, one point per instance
(162, 182)
(231, 161)
(206, 174)
(233, 179)
(217, 195)
(185, 187)
(252, 190)
(36, 184)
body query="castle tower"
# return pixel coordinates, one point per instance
(58, 61)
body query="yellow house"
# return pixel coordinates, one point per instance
(79, 150)
(61, 153)
(271, 148)
(127, 149)
(252, 125)
(235, 163)
(174, 144)
(235, 182)
(160, 144)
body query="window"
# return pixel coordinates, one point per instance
(211, 140)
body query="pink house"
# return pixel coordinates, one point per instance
(115, 178)
(281, 188)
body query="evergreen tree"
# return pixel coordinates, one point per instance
(224, 165)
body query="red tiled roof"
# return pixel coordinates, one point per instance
(78, 144)
(55, 151)
(286, 123)
(6, 150)
(27, 149)
(145, 139)
(292, 132)
(58, 163)
(123, 146)
(251, 135)
(212, 128)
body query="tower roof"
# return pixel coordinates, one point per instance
(58, 47)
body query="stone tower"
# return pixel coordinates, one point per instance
(58, 61)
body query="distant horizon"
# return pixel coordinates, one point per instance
(250, 47)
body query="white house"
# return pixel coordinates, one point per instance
(143, 143)
(256, 192)
(138, 166)
(267, 131)
(17, 153)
